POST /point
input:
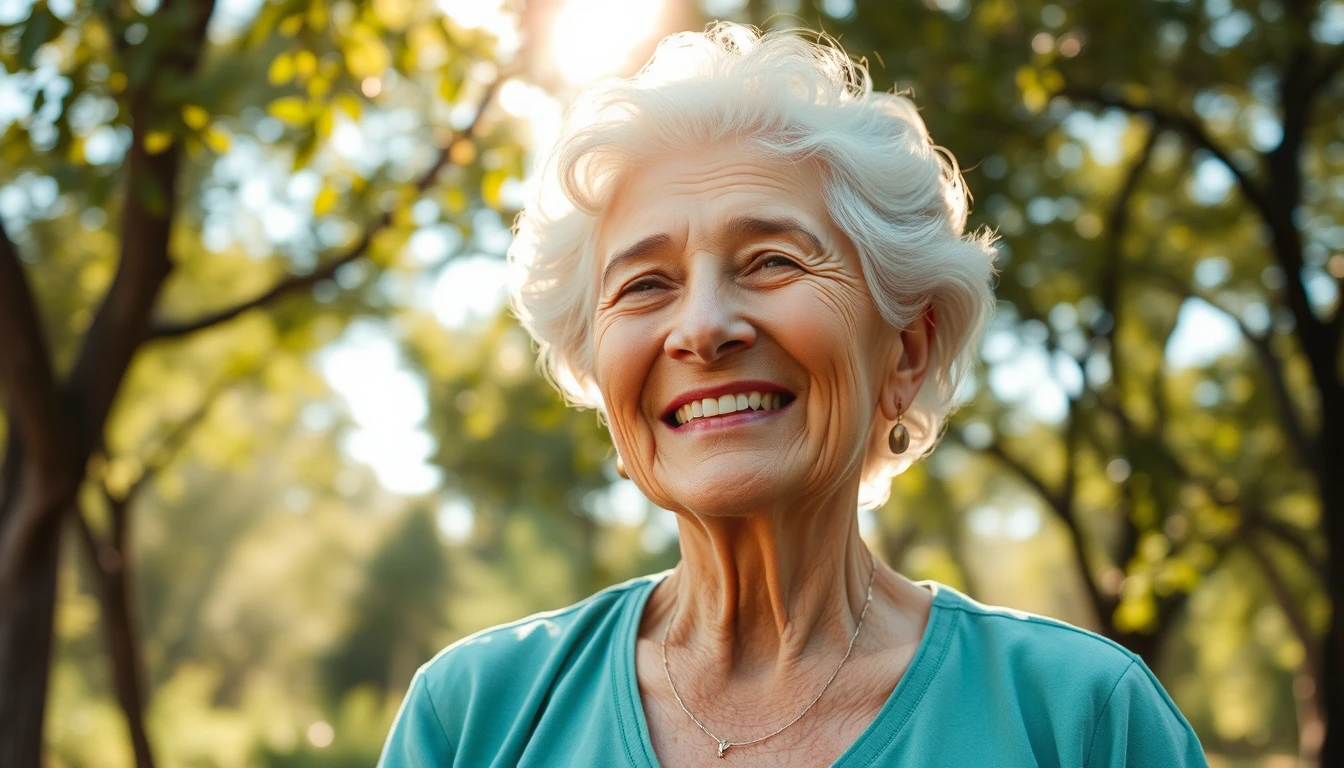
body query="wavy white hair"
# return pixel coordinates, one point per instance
(900, 199)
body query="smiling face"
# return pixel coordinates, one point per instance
(740, 356)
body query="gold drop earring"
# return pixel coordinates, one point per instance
(898, 440)
(620, 467)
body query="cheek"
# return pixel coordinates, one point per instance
(624, 350)
(829, 331)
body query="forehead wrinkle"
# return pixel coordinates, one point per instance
(710, 166)
(744, 181)
(714, 179)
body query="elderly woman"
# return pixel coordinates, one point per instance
(756, 268)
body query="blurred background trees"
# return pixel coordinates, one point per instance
(271, 440)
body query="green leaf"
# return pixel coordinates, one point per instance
(325, 122)
(491, 184)
(281, 70)
(290, 26)
(157, 141)
(325, 201)
(195, 117)
(290, 110)
(217, 139)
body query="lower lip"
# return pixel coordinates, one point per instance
(734, 419)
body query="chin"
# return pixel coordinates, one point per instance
(732, 489)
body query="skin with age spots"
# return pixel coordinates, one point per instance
(715, 269)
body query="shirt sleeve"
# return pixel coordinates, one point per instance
(417, 738)
(1140, 727)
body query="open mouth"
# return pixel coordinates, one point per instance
(727, 404)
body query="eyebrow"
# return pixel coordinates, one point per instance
(639, 250)
(740, 228)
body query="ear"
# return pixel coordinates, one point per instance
(908, 364)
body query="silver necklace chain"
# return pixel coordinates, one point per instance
(724, 744)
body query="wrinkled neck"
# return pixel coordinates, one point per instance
(756, 592)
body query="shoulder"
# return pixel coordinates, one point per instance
(517, 652)
(1139, 724)
(1026, 641)
(465, 702)
(1057, 672)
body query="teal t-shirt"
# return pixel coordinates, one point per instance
(987, 686)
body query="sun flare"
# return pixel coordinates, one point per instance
(592, 38)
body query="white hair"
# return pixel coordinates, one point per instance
(898, 197)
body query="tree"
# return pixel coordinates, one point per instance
(154, 371)
(131, 109)
(1140, 159)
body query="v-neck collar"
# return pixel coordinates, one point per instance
(891, 718)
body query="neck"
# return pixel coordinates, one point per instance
(755, 593)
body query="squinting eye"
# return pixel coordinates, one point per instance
(777, 260)
(641, 286)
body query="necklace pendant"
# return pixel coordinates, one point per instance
(723, 747)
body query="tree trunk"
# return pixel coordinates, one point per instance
(1331, 685)
(25, 645)
(116, 591)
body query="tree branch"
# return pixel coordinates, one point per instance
(1117, 225)
(31, 395)
(1118, 220)
(1254, 516)
(1289, 536)
(294, 283)
(1062, 505)
(41, 468)
(96, 549)
(1284, 596)
(1297, 95)
(159, 458)
(1274, 202)
(1171, 604)
(997, 450)
(1067, 513)
(1187, 127)
(1303, 443)
(172, 443)
(111, 573)
(110, 559)
(122, 319)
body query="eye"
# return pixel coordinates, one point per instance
(642, 285)
(776, 261)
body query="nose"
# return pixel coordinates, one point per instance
(709, 324)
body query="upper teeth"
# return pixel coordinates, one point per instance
(718, 406)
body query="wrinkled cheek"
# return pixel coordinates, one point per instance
(840, 402)
(837, 428)
(621, 361)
